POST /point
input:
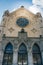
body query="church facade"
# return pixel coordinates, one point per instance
(21, 38)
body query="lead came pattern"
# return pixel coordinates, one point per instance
(22, 22)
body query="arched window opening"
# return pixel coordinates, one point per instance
(8, 55)
(22, 55)
(36, 55)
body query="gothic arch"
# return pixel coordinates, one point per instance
(9, 43)
(37, 59)
(22, 54)
(21, 44)
(37, 43)
(8, 55)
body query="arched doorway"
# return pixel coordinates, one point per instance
(8, 55)
(37, 60)
(22, 55)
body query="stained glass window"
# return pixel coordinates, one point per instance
(36, 55)
(22, 55)
(8, 55)
(22, 22)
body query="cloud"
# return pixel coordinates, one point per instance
(34, 9)
(38, 2)
(37, 7)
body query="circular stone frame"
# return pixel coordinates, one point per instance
(22, 22)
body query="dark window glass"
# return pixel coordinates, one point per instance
(22, 22)
(8, 55)
(22, 55)
(36, 55)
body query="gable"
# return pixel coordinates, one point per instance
(11, 28)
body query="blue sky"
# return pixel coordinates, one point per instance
(14, 4)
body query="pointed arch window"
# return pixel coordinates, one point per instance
(8, 55)
(36, 55)
(22, 55)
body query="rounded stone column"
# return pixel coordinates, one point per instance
(30, 58)
(1, 56)
(42, 56)
(15, 57)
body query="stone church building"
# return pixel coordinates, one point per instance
(21, 38)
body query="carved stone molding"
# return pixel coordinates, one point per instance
(34, 30)
(11, 30)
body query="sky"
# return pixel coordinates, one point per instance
(32, 5)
